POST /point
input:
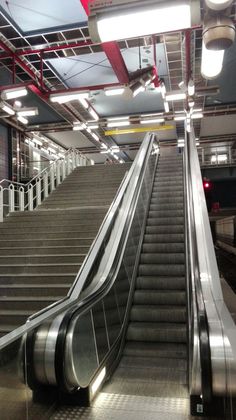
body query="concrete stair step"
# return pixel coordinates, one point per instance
(44, 251)
(34, 290)
(44, 235)
(38, 242)
(38, 268)
(26, 303)
(39, 259)
(38, 278)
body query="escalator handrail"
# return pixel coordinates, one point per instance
(70, 300)
(93, 298)
(202, 322)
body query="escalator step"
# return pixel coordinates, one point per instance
(149, 258)
(157, 332)
(164, 220)
(160, 283)
(163, 248)
(164, 228)
(154, 313)
(161, 238)
(163, 350)
(159, 297)
(161, 270)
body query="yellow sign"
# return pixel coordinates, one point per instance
(138, 130)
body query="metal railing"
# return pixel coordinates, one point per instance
(16, 196)
(217, 156)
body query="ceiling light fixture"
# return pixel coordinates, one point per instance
(180, 118)
(114, 92)
(93, 126)
(212, 62)
(7, 108)
(28, 112)
(104, 146)
(191, 87)
(79, 126)
(62, 98)
(180, 142)
(13, 93)
(95, 136)
(117, 118)
(197, 115)
(166, 107)
(218, 4)
(118, 124)
(175, 96)
(122, 21)
(23, 120)
(155, 120)
(93, 113)
(137, 88)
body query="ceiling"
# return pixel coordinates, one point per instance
(47, 47)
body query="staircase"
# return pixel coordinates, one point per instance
(41, 251)
(155, 354)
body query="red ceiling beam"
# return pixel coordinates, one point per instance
(22, 64)
(113, 53)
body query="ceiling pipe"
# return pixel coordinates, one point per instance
(113, 54)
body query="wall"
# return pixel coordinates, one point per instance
(4, 169)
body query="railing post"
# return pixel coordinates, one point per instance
(38, 191)
(45, 184)
(73, 160)
(63, 169)
(58, 170)
(1, 204)
(11, 195)
(30, 197)
(21, 199)
(52, 178)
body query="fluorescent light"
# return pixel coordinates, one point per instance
(163, 90)
(103, 152)
(180, 143)
(180, 118)
(28, 112)
(84, 103)
(95, 136)
(191, 87)
(93, 114)
(156, 120)
(197, 116)
(175, 96)
(114, 92)
(17, 104)
(52, 150)
(118, 124)
(7, 108)
(212, 62)
(222, 158)
(13, 93)
(218, 4)
(93, 126)
(121, 161)
(78, 126)
(137, 88)
(197, 110)
(197, 143)
(104, 146)
(23, 120)
(142, 20)
(62, 98)
(117, 118)
(115, 149)
(39, 142)
(156, 114)
(166, 107)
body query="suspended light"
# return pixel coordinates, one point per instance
(166, 106)
(180, 143)
(104, 146)
(93, 113)
(93, 126)
(180, 118)
(23, 120)
(118, 124)
(122, 21)
(218, 4)
(28, 112)
(84, 103)
(137, 88)
(191, 87)
(212, 62)
(78, 126)
(95, 136)
(197, 115)
(117, 118)
(175, 96)
(13, 93)
(155, 120)
(62, 98)
(114, 92)
(7, 108)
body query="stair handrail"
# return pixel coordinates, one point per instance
(217, 338)
(17, 196)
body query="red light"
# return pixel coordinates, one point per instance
(206, 185)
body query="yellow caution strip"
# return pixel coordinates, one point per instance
(138, 130)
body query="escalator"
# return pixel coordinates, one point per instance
(144, 330)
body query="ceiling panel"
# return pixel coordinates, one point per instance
(214, 126)
(32, 17)
(71, 139)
